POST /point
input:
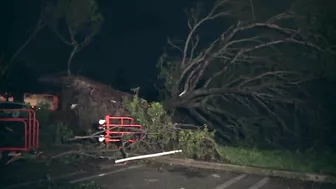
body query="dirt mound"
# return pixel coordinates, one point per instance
(88, 99)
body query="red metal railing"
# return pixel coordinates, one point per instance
(126, 124)
(31, 129)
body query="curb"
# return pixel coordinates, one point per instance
(248, 169)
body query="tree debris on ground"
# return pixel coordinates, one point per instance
(94, 100)
(88, 99)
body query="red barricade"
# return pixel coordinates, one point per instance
(31, 129)
(116, 127)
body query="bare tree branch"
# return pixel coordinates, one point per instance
(244, 66)
(211, 16)
(85, 23)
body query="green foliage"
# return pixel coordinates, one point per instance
(308, 161)
(55, 133)
(257, 131)
(169, 71)
(52, 133)
(44, 105)
(163, 134)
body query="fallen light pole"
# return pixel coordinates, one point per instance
(147, 156)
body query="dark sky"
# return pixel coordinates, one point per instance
(123, 54)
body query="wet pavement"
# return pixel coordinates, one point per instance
(144, 176)
(172, 177)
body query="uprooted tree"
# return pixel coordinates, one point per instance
(81, 20)
(94, 100)
(243, 83)
(239, 84)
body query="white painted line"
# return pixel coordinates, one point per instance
(148, 156)
(259, 184)
(230, 182)
(105, 174)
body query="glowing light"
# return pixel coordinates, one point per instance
(101, 138)
(101, 121)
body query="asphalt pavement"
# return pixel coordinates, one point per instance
(172, 177)
(157, 176)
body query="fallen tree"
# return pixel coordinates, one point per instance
(244, 83)
(92, 100)
(239, 84)
(87, 99)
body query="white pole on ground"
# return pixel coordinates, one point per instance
(147, 156)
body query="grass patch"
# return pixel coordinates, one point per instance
(285, 160)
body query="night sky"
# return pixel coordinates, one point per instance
(123, 54)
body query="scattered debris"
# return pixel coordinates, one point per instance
(151, 180)
(88, 100)
(215, 175)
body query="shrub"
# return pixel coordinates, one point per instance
(162, 134)
(51, 132)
